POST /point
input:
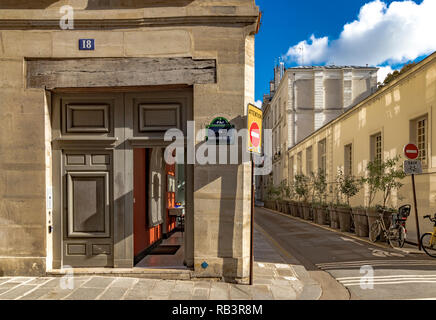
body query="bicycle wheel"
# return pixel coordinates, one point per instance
(374, 231)
(429, 248)
(401, 236)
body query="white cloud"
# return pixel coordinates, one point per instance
(383, 72)
(396, 33)
(258, 104)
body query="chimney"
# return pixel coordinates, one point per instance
(271, 87)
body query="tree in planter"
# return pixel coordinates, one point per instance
(348, 185)
(272, 193)
(320, 186)
(383, 176)
(390, 180)
(302, 187)
(373, 180)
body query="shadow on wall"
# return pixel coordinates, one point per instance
(96, 4)
(227, 205)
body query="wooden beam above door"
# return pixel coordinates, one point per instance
(118, 72)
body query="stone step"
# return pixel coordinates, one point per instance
(163, 274)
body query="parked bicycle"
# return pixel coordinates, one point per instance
(428, 240)
(397, 232)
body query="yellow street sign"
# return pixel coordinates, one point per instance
(254, 126)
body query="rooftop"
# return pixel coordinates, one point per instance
(332, 67)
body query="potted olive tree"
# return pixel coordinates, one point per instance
(320, 194)
(383, 176)
(272, 193)
(283, 194)
(302, 191)
(290, 196)
(334, 203)
(348, 186)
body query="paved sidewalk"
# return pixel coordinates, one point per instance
(273, 280)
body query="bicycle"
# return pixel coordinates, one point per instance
(397, 231)
(428, 240)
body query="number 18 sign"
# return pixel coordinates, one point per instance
(86, 44)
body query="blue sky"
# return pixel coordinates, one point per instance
(383, 33)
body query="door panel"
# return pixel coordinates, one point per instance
(88, 234)
(88, 204)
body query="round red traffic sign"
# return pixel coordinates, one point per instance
(411, 151)
(255, 134)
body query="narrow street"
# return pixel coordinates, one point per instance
(396, 275)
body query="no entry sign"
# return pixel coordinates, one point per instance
(411, 151)
(254, 125)
(255, 135)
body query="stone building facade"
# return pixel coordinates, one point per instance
(71, 120)
(304, 99)
(379, 127)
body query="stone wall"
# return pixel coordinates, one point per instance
(200, 29)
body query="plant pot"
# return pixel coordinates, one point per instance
(344, 215)
(321, 215)
(360, 222)
(285, 206)
(334, 218)
(300, 209)
(306, 212)
(289, 207)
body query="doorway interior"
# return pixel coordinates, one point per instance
(159, 210)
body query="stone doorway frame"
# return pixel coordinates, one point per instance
(121, 144)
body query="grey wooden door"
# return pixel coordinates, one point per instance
(86, 129)
(88, 212)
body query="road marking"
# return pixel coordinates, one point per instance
(382, 253)
(351, 240)
(389, 282)
(374, 263)
(291, 278)
(282, 266)
(390, 277)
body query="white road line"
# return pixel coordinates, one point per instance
(389, 280)
(384, 277)
(282, 266)
(372, 261)
(351, 240)
(377, 263)
(392, 282)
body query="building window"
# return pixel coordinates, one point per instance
(376, 147)
(322, 156)
(300, 163)
(309, 161)
(419, 135)
(348, 160)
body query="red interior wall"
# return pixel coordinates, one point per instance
(143, 235)
(170, 199)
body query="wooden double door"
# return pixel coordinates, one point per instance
(93, 142)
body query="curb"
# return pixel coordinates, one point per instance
(311, 289)
(347, 234)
